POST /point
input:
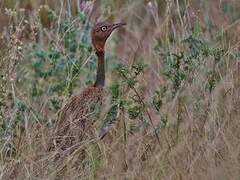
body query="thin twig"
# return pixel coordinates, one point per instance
(148, 114)
(147, 111)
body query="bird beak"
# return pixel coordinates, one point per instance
(117, 25)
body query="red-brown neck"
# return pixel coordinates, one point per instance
(100, 80)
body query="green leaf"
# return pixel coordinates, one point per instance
(131, 82)
(135, 111)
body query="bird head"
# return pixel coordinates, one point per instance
(101, 31)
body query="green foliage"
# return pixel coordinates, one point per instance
(115, 91)
(175, 70)
(180, 66)
(138, 68)
(55, 70)
(135, 111)
(158, 98)
(134, 104)
(55, 104)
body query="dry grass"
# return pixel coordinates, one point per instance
(198, 117)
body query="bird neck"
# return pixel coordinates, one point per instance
(100, 80)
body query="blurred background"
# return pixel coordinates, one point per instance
(173, 72)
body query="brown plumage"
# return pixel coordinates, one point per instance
(77, 116)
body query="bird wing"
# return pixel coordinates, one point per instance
(77, 116)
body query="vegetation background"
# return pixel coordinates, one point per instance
(173, 75)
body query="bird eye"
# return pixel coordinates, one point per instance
(104, 28)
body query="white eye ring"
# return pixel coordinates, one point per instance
(104, 28)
